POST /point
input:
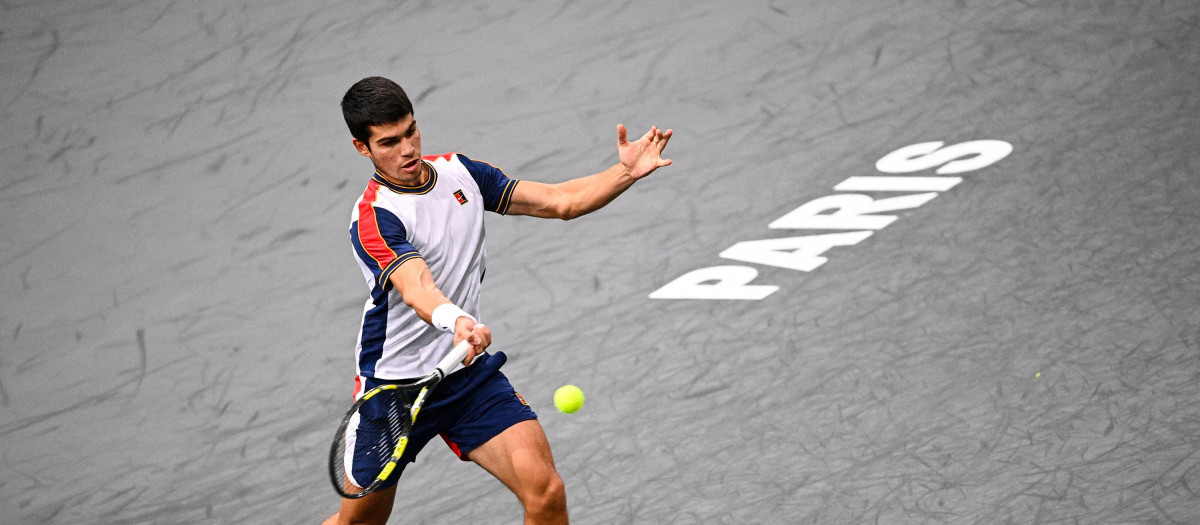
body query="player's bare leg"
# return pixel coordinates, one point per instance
(520, 458)
(372, 509)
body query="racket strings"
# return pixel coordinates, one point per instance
(370, 439)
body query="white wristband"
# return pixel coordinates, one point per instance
(446, 316)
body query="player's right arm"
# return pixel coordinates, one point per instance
(415, 284)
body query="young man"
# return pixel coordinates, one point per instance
(418, 234)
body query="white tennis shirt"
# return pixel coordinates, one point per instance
(440, 222)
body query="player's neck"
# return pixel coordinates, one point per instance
(418, 179)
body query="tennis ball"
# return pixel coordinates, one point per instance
(568, 398)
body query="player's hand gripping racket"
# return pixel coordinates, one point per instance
(377, 426)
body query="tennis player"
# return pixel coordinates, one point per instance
(418, 236)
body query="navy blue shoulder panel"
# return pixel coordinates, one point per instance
(495, 186)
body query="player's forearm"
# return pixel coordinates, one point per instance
(417, 288)
(434, 308)
(423, 301)
(588, 194)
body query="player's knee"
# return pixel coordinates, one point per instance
(340, 519)
(365, 521)
(556, 492)
(550, 497)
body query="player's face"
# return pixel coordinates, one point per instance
(395, 149)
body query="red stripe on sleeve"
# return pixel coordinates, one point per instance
(368, 229)
(444, 156)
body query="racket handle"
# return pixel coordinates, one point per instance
(452, 359)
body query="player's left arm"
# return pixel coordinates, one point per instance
(577, 197)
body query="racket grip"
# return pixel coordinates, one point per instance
(452, 359)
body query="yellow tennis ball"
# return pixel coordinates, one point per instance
(568, 398)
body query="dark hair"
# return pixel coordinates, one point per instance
(373, 101)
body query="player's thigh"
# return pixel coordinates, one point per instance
(374, 508)
(519, 457)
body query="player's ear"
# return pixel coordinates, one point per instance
(362, 147)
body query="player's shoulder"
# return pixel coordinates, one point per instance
(444, 158)
(456, 157)
(380, 194)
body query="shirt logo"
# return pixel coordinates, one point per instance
(462, 198)
(521, 399)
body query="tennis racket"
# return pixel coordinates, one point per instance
(378, 425)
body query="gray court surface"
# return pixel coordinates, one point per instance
(179, 301)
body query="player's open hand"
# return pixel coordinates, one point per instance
(644, 155)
